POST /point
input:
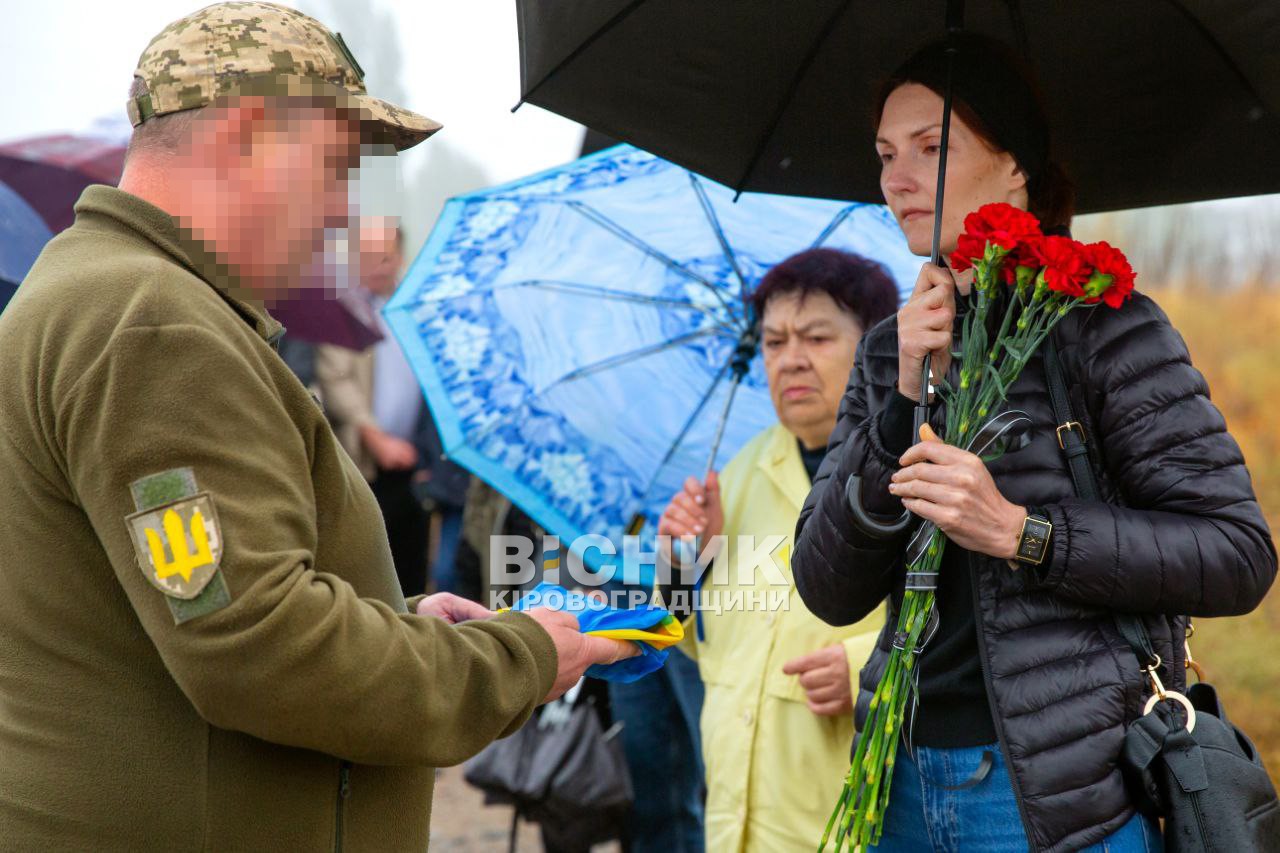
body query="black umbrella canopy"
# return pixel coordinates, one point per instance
(1151, 101)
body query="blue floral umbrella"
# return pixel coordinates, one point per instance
(582, 335)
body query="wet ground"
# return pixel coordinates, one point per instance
(462, 823)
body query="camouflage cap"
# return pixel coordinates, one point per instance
(245, 47)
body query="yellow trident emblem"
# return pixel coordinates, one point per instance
(179, 545)
(185, 560)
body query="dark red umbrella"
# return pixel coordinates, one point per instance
(50, 172)
(318, 317)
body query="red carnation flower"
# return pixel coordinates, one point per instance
(1112, 279)
(1066, 268)
(1025, 255)
(1002, 224)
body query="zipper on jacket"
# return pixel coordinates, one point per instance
(344, 791)
(991, 699)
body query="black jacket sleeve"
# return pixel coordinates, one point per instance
(1190, 537)
(841, 573)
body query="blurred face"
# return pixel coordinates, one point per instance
(265, 182)
(908, 143)
(380, 258)
(808, 354)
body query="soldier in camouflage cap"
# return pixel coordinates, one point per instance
(204, 643)
(260, 48)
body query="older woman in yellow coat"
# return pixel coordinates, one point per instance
(777, 720)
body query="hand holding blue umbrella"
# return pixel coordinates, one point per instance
(583, 337)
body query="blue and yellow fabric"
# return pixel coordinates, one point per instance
(651, 628)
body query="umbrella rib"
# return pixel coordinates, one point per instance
(613, 361)
(834, 224)
(584, 289)
(615, 229)
(633, 355)
(1222, 52)
(799, 76)
(714, 222)
(608, 25)
(620, 232)
(684, 431)
(623, 296)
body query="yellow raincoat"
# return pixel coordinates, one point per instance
(773, 767)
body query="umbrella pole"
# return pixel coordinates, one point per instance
(724, 419)
(853, 486)
(740, 365)
(746, 350)
(955, 24)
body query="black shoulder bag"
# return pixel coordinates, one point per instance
(1183, 760)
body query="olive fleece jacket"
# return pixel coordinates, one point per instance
(308, 711)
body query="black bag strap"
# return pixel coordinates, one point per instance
(1073, 441)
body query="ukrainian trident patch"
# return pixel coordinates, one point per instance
(178, 542)
(179, 545)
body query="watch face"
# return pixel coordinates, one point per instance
(1035, 535)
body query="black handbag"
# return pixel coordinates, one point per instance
(562, 771)
(1183, 760)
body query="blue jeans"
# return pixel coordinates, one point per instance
(923, 815)
(660, 713)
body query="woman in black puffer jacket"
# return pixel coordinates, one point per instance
(1027, 686)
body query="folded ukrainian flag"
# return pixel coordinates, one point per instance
(653, 629)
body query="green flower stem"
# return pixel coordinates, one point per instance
(988, 368)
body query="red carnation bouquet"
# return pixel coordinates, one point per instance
(1037, 280)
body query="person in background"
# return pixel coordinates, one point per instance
(660, 738)
(372, 398)
(777, 720)
(300, 356)
(444, 486)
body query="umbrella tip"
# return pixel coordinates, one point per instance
(518, 105)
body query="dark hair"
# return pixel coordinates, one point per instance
(995, 94)
(859, 285)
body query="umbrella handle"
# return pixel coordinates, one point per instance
(863, 520)
(853, 486)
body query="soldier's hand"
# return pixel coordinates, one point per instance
(576, 651)
(452, 608)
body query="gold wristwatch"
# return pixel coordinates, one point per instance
(1033, 544)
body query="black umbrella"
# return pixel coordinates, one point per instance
(1151, 101)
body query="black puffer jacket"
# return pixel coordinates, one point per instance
(1181, 534)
